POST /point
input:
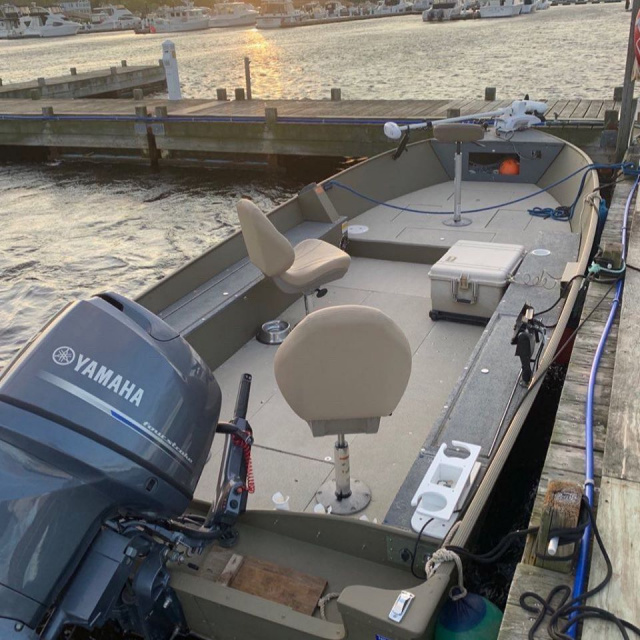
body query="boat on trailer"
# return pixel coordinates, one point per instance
(443, 300)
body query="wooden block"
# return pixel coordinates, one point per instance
(561, 510)
(231, 569)
(490, 94)
(294, 589)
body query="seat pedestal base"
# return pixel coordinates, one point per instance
(358, 500)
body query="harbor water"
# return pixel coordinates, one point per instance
(68, 230)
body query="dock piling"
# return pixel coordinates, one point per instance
(113, 70)
(0, 82)
(73, 71)
(161, 112)
(270, 115)
(138, 94)
(453, 113)
(490, 94)
(123, 63)
(36, 94)
(170, 63)
(41, 82)
(221, 94)
(561, 510)
(617, 93)
(47, 112)
(336, 94)
(610, 119)
(247, 76)
(239, 93)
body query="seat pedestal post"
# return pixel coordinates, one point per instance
(343, 495)
(457, 220)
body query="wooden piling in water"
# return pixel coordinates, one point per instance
(73, 71)
(490, 94)
(221, 94)
(247, 77)
(453, 113)
(336, 94)
(239, 93)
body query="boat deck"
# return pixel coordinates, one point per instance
(498, 224)
(286, 456)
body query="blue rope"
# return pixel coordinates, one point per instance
(627, 167)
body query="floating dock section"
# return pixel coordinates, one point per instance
(118, 81)
(257, 132)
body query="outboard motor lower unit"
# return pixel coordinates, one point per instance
(106, 420)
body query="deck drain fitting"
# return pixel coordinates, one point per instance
(484, 370)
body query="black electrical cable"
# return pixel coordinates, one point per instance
(571, 612)
(630, 266)
(555, 304)
(415, 550)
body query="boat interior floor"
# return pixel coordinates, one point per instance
(464, 377)
(508, 224)
(286, 457)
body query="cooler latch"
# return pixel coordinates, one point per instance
(463, 284)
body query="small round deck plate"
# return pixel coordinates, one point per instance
(541, 252)
(357, 229)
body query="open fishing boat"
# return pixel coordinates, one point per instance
(445, 304)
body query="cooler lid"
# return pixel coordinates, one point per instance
(482, 262)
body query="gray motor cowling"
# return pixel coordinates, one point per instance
(107, 411)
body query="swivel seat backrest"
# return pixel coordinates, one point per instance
(303, 269)
(341, 369)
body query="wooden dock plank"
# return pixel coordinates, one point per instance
(569, 108)
(594, 109)
(620, 530)
(622, 451)
(517, 622)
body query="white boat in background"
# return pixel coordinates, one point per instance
(544, 4)
(9, 22)
(314, 11)
(37, 22)
(442, 10)
(175, 19)
(233, 14)
(500, 9)
(387, 7)
(111, 18)
(422, 5)
(335, 9)
(529, 6)
(277, 13)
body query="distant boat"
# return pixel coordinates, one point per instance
(500, 9)
(37, 22)
(175, 19)
(233, 14)
(387, 7)
(277, 13)
(9, 21)
(443, 10)
(530, 6)
(111, 18)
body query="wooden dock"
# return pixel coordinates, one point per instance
(617, 440)
(117, 81)
(200, 131)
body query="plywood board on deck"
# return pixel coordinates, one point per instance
(294, 589)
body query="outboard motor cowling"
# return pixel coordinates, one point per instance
(107, 412)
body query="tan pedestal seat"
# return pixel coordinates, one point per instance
(341, 370)
(302, 269)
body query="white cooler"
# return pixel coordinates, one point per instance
(468, 282)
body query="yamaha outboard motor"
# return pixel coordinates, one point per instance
(106, 420)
